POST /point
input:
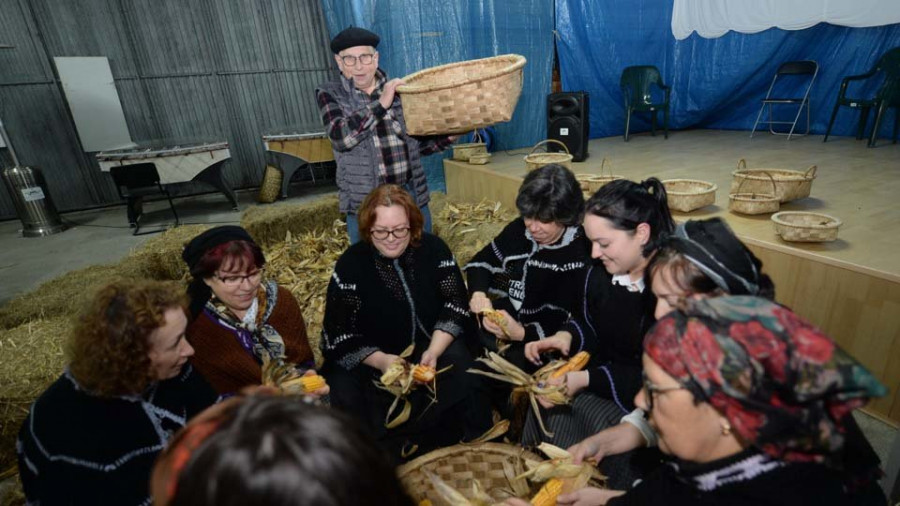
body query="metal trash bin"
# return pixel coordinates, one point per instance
(33, 204)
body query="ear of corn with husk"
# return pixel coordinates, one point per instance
(532, 385)
(288, 379)
(400, 379)
(547, 495)
(576, 363)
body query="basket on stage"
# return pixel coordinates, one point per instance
(686, 195)
(802, 226)
(460, 97)
(789, 184)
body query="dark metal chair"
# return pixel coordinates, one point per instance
(887, 96)
(788, 74)
(637, 89)
(134, 182)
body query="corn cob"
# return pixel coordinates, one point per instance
(423, 373)
(425, 502)
(312, 383)
(547, 495)
(576, 363)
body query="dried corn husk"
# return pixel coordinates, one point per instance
(468, 227)
(286, 377)
(400, 379)
(530, 385)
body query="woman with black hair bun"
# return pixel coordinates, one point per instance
(624, 221)
(275, 451)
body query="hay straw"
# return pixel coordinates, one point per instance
(468, 227)
(11, 493)
(60, 296)
(31, 358)
(269, 224)
(160, 257)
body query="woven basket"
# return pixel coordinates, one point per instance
(789, 184)
(754, 203)
(583, 181)
(270, 188)
(465, 151)
(463, 96)
(686, 195)
(596, 182)
(801, 226)
(459, 465)
(479, 159)
(537, 160)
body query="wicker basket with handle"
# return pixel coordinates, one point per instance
(599, 181)
(460, 97)
(686, 195)
(494, 465)
(754, 203)
(789, 184)
(537, 160)
(465, 151)
(802, 226)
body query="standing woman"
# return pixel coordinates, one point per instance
(624, 221)
(238, 317)
(527, 272)
(400, 286)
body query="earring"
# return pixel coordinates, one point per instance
(726, 428)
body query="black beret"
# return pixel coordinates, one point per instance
(352, 37)
(211, 238)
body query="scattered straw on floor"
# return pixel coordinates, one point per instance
(31, 358)
(468, 227)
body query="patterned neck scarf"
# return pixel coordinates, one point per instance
(253, 332)
(782, 384)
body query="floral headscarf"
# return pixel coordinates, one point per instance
(782, 384)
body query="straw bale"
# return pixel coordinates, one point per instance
(160, 257)
(11, 493)
(303, 264)
(269, 224)
(31, 358)
(467, 227)
(63, 295)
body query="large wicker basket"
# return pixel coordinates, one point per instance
(686, 195)
(463, 96)
(789, 184)
(801, 226)
(537, 160)
(752, 202)
(459, 465)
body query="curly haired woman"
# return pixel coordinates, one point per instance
(93, 435)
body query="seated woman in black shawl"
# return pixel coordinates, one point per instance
(397, 287)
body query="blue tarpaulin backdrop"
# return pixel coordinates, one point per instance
(716, 83)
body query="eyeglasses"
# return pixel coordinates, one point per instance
(233, 281)
(350, 60)
(399, 233)
(652, 390)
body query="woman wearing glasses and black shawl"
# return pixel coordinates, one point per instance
(400, 286)
(238, 316)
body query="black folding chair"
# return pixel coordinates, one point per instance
(788, 71)
(134, 182)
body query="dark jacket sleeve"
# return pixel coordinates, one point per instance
(343, 339)
(580, 325)
(454, 315)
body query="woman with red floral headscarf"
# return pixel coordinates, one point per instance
(751, 402)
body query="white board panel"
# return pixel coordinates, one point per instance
(89, 88)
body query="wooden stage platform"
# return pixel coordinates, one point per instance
(850, 287)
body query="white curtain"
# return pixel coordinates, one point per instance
(713, 18)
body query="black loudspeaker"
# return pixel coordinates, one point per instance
(567, 122)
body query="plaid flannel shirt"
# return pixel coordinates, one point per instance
(346, 131)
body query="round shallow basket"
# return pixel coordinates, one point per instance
(463, 152)
(492, 464)
(583, 181)
(802, 226)
(270, 188)
(462, 96)
(686, 195)
(789, 184)
(599, 181)
(537, 160)
(754, 203)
